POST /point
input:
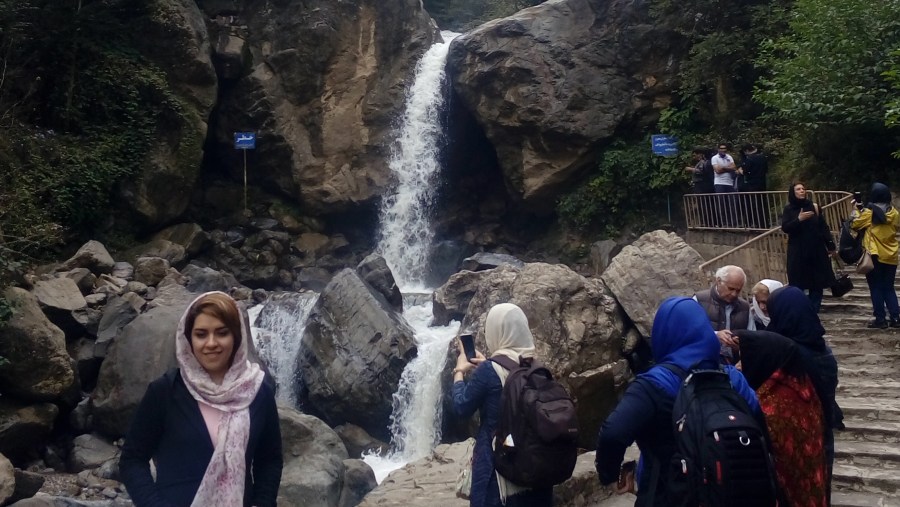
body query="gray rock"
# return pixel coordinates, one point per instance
(601, 255)
(83, 278)
(58, 297)
(359, 479)
(138, 288)
(202, 280)
(27, 485)
(313, 461)
(357, 441)
(598, 392)
(87, 365)
(486, 260)
(593, 68)
(451, 300)
(109, 285)
(89, 452)
(95, 300)
(24, 428)
(190, 236)
(38, 367)
(150, 270)
(353, 352)
(375, 271)
(7, 480)
(312, 278)
(117, 314)
(88, 319)
(143, 351)
(80, 419)
(263, 223)
(123, 270)
(93, 256)
(656, 266)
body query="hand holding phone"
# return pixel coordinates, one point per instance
(468, 344)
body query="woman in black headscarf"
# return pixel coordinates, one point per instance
(775, 369)
(809, 245)
(793, 317)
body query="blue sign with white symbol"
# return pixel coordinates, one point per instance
(664, 145)
(244, 140)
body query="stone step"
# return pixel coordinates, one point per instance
(865, 339)
(879, 409)
(883, 455)
(862, 499)
(868, 370)
(869, 356)
(854, 387)
(869, 431)
(868, 479)
(850, 306)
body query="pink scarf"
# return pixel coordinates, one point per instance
(223, 482)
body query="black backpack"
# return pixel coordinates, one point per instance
(850, 248)
(722, 456)
(535, 444)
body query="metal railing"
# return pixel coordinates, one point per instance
(765, 255)
(745, 211)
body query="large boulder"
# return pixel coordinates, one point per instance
(59, 297)
(143, 351)
(313, 461)
(341, 67)
(353, 352)
(577, 324)
(451, 300)
(376, 272)
(7, 480)
(24, 429)
(177, 41)
(656, 266)
(93, 256)
(593, 67)
(37, 366)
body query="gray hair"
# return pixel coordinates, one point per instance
(726, 271)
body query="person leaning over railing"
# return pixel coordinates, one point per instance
(879, 221)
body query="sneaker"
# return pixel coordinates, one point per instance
(877, 324)
(895, 323)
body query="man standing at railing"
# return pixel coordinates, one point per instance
(752, 172)
(726, 309)
(723, 182)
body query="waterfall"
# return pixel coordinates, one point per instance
(406, 234)
(277, 327)
(406, 239)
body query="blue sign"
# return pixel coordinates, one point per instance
(664, 145)
(244, 140)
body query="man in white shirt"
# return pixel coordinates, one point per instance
(723, 182)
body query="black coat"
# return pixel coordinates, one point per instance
(169, 428)
(808, 265)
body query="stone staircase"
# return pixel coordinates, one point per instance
(867, 452)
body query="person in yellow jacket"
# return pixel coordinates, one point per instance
(881, 220)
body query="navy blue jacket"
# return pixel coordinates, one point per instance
(169, 428)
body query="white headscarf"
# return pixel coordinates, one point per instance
(223, 482)
(507, 333)
(755, 311)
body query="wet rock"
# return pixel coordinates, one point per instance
(485, 260)
(359, 480)
(313, 461)
(451, 300)
(357, 441)
(353, 352)
(375, 271)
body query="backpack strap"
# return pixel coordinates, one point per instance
(505, 362)
(677, 370)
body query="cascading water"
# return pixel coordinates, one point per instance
(406, 239)
(406, 233)
(277, 328)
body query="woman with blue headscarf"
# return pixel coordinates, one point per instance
(682, 336)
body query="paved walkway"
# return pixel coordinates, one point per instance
(867, 453)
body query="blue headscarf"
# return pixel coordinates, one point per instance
(683, 336)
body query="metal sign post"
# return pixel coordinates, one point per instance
(666, 146)
(245, 141)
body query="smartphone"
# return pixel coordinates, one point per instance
(468, 343)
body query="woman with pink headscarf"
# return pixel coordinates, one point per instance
(210, 425)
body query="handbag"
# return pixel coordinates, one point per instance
(464, 479)
(842, 283)
(865, 263)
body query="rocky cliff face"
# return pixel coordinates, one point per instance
(322, 82)
(552, 84)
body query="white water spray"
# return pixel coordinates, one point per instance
(277, 329)
(406, 232)
(406, 240)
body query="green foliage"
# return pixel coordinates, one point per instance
(828, 68)
(80, 110)
(464, 15)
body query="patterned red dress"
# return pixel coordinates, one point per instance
(794, 416)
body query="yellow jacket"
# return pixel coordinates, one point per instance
(881, 239)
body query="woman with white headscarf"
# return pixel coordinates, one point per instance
(211, 425)
(759, 311)
(507, 333)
